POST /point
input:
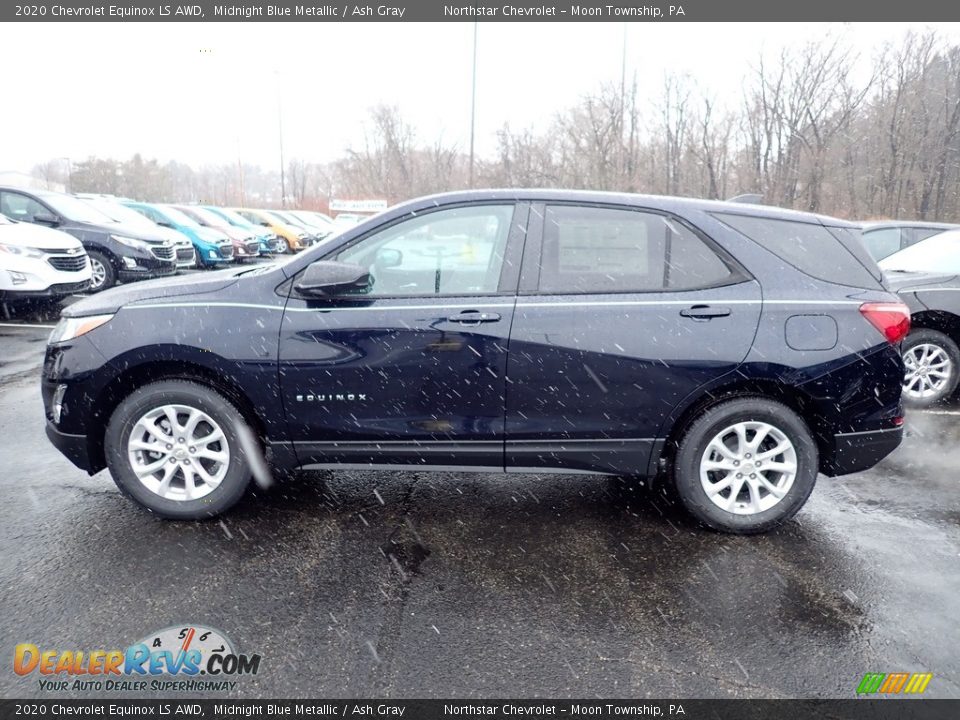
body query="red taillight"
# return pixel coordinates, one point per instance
(891, 319)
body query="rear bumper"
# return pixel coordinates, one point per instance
(74, 447)
(853, 452)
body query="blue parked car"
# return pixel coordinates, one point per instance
(212, 247)
(270, 242)
(731, 352)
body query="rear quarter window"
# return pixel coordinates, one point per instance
(833, 254)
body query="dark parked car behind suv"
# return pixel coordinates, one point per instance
(116, 251)
(732, 351)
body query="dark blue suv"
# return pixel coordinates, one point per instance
(732, 351)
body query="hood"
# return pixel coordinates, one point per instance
(174, 236)
(123, 230)
(231, 232)
(210, 235)
(291, 229)
(900, 280)
(37, 236)
(112, 300)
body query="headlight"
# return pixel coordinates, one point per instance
(71, 328)
(21, 251)
(131, 242)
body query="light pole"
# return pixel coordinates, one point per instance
(69, 173)
(473, 100)
(283, 170)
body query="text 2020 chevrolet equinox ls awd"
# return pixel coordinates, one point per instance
(734, 350)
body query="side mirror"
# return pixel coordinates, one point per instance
(328, 278)
(389, 258)
(46, 219)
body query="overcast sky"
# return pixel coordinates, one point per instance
(208, 93)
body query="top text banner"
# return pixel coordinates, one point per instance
(440, 11)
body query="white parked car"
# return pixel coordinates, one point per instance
(37, 261)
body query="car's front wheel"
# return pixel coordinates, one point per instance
(102, 274)
(746, 465)
(931, 362)
(174, 447)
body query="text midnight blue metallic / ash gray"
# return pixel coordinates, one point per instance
(731, 351)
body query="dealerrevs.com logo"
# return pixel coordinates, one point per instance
(188, 658)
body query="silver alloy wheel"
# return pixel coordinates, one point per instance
(98, 274)
(928, 371)
(749, 467)
(178, 452)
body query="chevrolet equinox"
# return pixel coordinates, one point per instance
(731, 351)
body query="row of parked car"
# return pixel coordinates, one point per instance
(53, 244)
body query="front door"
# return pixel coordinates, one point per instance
(415, 368)
(622, 313)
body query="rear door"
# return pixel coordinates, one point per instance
(622, 313)
(415, 369)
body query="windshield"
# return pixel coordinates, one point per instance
(309, 219)
(938, 253)
(78, 210)
(178, 217)
(120, 213)
(233, 218)
(284, 218)
(205, 216)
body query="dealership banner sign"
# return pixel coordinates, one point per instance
(445, 10)
(358, 206)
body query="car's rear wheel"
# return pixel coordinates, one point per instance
(931, 367)
(746, 465)
(102, 273)
(174, 447)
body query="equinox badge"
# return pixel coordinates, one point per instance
(332, 397)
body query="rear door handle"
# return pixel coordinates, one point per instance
(705, 312)
(473, 317)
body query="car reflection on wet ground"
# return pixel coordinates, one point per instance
(411, 584)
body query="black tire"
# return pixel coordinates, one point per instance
(98, 259)
(912, 397)
(178, 392)
(693, 446)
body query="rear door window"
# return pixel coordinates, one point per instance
(607, 250)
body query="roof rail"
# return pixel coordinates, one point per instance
(748, 198)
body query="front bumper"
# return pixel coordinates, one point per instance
(143, 266)
(140, 272)
(857, 451)
(58, 290)
(186, 257)
(74, 447)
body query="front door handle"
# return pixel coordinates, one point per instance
(705, 312)
(473, 317)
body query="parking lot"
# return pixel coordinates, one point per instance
(407, 584)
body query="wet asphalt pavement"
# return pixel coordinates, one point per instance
(359, 584)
